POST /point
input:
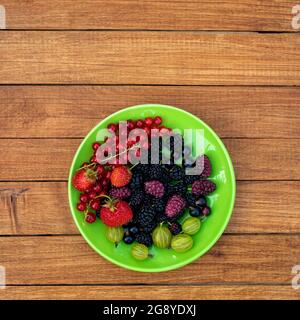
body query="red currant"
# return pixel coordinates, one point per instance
(130, 143)
(84, 198)
(95, 146)
(148, 122)
(140, 123)
(112, 127)
(92, 194)
(147, 130)
(138, 153)
(95, 204)
(90, 217)
(93, 159)
(108, 175)
(99, 169)
(97, 188)
(157, 120)
(81, 206)
(130, 125)
(104, 183)
(164, 130)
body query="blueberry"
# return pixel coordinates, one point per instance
(201, 202)
(134, 230)
(128, 239)
(195, 211)
(206, 211)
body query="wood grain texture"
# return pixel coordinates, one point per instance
(255, 15)
(69, 111)
(149, 58)
(192, 292)
(253, 159)
(246, 259)
(261, 207)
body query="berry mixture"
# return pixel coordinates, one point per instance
(144, 203)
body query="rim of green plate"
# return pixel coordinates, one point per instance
(201, 252)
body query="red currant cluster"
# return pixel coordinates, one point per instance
(93, 179)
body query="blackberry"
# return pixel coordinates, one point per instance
(161, 217)
(136, 198)
(203, 187)
(190, 179)
(145, 216)
(158, 204)
(136, 181)
(156, 172)
(177, 217)
(144, 238)
(141, 169)
(176, 173)
(175, 228)
(178, 188)
(190, 199)
(150, 227)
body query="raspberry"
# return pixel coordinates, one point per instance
(174, 206)
(155, 188)
(203, 187)
(120, 193)
(205, 166)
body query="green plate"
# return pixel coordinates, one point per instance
(221, 201)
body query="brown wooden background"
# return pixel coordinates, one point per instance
(65, 65)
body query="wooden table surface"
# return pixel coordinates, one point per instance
(65, 65)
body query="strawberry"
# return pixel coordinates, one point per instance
(84, 179)
(115, 213)
(120, 176)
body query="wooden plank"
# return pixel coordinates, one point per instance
(235, 259)
(260, 207)
(127, 14)
(209, 292)
(264, 159)
(69, 111)
(50, 159)
(149, 58)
